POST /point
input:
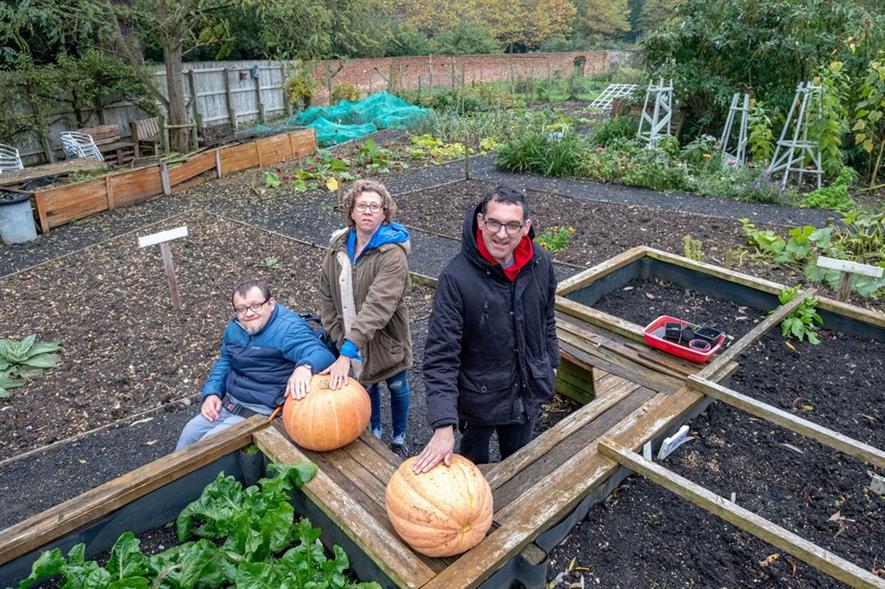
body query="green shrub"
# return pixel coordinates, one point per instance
(555, 239)
(299, 88)
(623, 127)
(345, 92)
(747, 184)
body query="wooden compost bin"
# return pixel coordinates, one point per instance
(70, 202)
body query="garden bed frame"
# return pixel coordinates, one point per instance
(639, 395)
(66, 203)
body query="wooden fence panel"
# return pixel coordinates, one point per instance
(239, 157)
(193, 167)
(133, 186)
(70, 202)
(274, 149)
(304, 142)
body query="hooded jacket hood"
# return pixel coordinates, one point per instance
(470, 247)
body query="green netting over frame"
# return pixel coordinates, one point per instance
(349, 120)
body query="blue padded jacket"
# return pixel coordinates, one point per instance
(256, 368)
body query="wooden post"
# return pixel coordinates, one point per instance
(229, 101)
(44, 140)
(170, 275)
(164, 178)
(218, 163)
(262, 116)
(466, 163)
(163, 238)
(164, 132)
(284, 80)
(195, 109)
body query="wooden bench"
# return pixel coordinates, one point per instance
(145, 133)
(108, 140)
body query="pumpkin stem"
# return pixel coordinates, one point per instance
(465, 528)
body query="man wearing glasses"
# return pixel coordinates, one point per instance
(268, 352)
(491, 346)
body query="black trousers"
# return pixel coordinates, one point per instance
(476, 439)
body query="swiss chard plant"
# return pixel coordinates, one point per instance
(230, 537)
(23, 360)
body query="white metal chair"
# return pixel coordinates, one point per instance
(10, 158)
(78, 145)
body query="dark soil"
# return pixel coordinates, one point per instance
(646, 536)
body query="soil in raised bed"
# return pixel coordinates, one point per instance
(125, 350)
(839, 384)
(645, 536)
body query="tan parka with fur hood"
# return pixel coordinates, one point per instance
(380, 329)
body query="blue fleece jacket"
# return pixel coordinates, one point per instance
(256, 368)
(391, 232)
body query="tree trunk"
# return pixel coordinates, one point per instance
(172, 34)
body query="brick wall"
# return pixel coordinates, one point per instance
(373, 74)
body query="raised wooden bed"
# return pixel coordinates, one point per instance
(66, 203)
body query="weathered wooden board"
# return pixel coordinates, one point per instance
(272, 150)
(133, 186)
(195, 166)
(239, 157)
(303, 142)
(67, 203)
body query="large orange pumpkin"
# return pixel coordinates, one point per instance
(443, 512)
(327, 419)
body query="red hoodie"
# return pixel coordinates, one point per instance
(522, 255)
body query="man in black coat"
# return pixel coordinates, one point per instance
(491, 351)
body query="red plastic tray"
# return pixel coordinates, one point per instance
(660, 343)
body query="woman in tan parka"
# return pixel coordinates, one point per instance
(363, 284)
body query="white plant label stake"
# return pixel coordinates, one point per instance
(847, 269)
(673, 442)
(163, 238)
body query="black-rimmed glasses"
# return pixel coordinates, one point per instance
(254, 307)
(511, 228)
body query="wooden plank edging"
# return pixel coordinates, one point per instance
(64, 518)
(393, 557)
(599, 318)
(594, 273)
(825, 436)
(812, 554)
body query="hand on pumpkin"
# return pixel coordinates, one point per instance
(299, 383)
(211, 407)
(338, 372)
(438, 449)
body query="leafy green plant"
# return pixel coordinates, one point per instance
(270, 263)
(832, 124)
(692, 248)
(869, 115)
(230, 537)
(555, 239)
(803, 322)
(760, 137)
(835, 196)
(272, 179)
(374, 157)
(24, 360)
(700, 150)
(429, 147)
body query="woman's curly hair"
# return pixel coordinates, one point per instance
(358, 188)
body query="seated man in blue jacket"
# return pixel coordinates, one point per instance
(268, 353)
